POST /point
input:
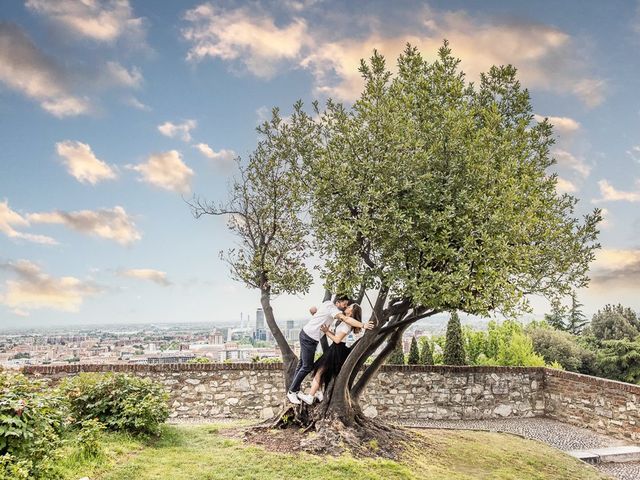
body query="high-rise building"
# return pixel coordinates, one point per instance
(259, 319)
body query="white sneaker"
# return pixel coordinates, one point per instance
(319, 395)
(293, 398)
(308, 399)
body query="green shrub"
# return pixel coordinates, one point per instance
(88, 438)
(121, 402)
(31, 426)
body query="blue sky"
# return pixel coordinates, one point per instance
(112, 111)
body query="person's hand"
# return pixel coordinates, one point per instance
(324, 328)
(369, 326)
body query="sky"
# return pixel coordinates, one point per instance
(113, 113)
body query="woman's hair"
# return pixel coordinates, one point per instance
(356, 313)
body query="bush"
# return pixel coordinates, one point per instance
(88, 438)
(619, 360)
(31, 426)
(120, 402)
(414, 353)
(561, 347)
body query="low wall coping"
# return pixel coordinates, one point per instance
(208, 367)
(590, 380)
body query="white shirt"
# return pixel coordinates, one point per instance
(344, 328)
(326, 314)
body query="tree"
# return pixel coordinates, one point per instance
(397, 356)
(432, 192)
(576, 320)
(414, 353)
(561, 347)
(620, 360)
(426, 353)
(614, 322)
(264, 211)
(557, 317)
(454, 346)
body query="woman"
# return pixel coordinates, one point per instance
(331, 361)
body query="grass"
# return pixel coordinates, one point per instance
(201, 452)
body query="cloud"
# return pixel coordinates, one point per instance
(547, 58)
(245, 36)
(634, 153)
(568, 160)
(155, 276)
(100, 21)
(82, 164)
(137, 104)
(10, 219)
(119, 75)
(223, 156)
(33, 289)
(165, 170)
(25, 69)
(178, 130)
(565, 186)
(561, 125)
(60, 87)
(611, 194)
(616, 267)
(606, 218)
(112, 224)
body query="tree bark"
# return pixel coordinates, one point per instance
(289, 358)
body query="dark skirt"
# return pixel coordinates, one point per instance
(331, 362)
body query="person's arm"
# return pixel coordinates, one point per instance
(355, 323)
(335, 337)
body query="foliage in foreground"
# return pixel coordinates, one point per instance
(121, 402)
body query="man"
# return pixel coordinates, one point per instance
(310, 337)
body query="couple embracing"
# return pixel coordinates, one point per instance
(348, 317)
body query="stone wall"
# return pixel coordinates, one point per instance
(602, 405)
(408, 393)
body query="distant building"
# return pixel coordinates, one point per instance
(259, 319)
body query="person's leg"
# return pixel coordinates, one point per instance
(308, 348)
(315, 383)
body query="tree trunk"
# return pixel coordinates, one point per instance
(289, 358)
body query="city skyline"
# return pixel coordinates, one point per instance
(109, 127)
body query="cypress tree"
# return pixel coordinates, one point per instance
(397, 356)
(414, 353)
(426, 353)
(576, 320)
(454, 347)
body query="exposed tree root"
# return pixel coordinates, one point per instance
(326, 434)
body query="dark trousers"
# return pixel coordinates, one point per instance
(307, 353)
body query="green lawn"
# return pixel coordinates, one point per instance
(201, 452)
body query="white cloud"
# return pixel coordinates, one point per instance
(166, 170)
(561, 125)
(618, 268)
(33, 289)
(101, 21)
(119, 75)
(10, 220)
(155, 276)
(547, 58)
(565, 186)
(178, 130)
(611, 194)
(568, 160)
(249, 37)
(137, 104)
(112, 224)
(634, 153)
(25, 69)
(82, 163)
(606, 218)
(223, 156)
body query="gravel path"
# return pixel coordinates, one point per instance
(557, 434)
